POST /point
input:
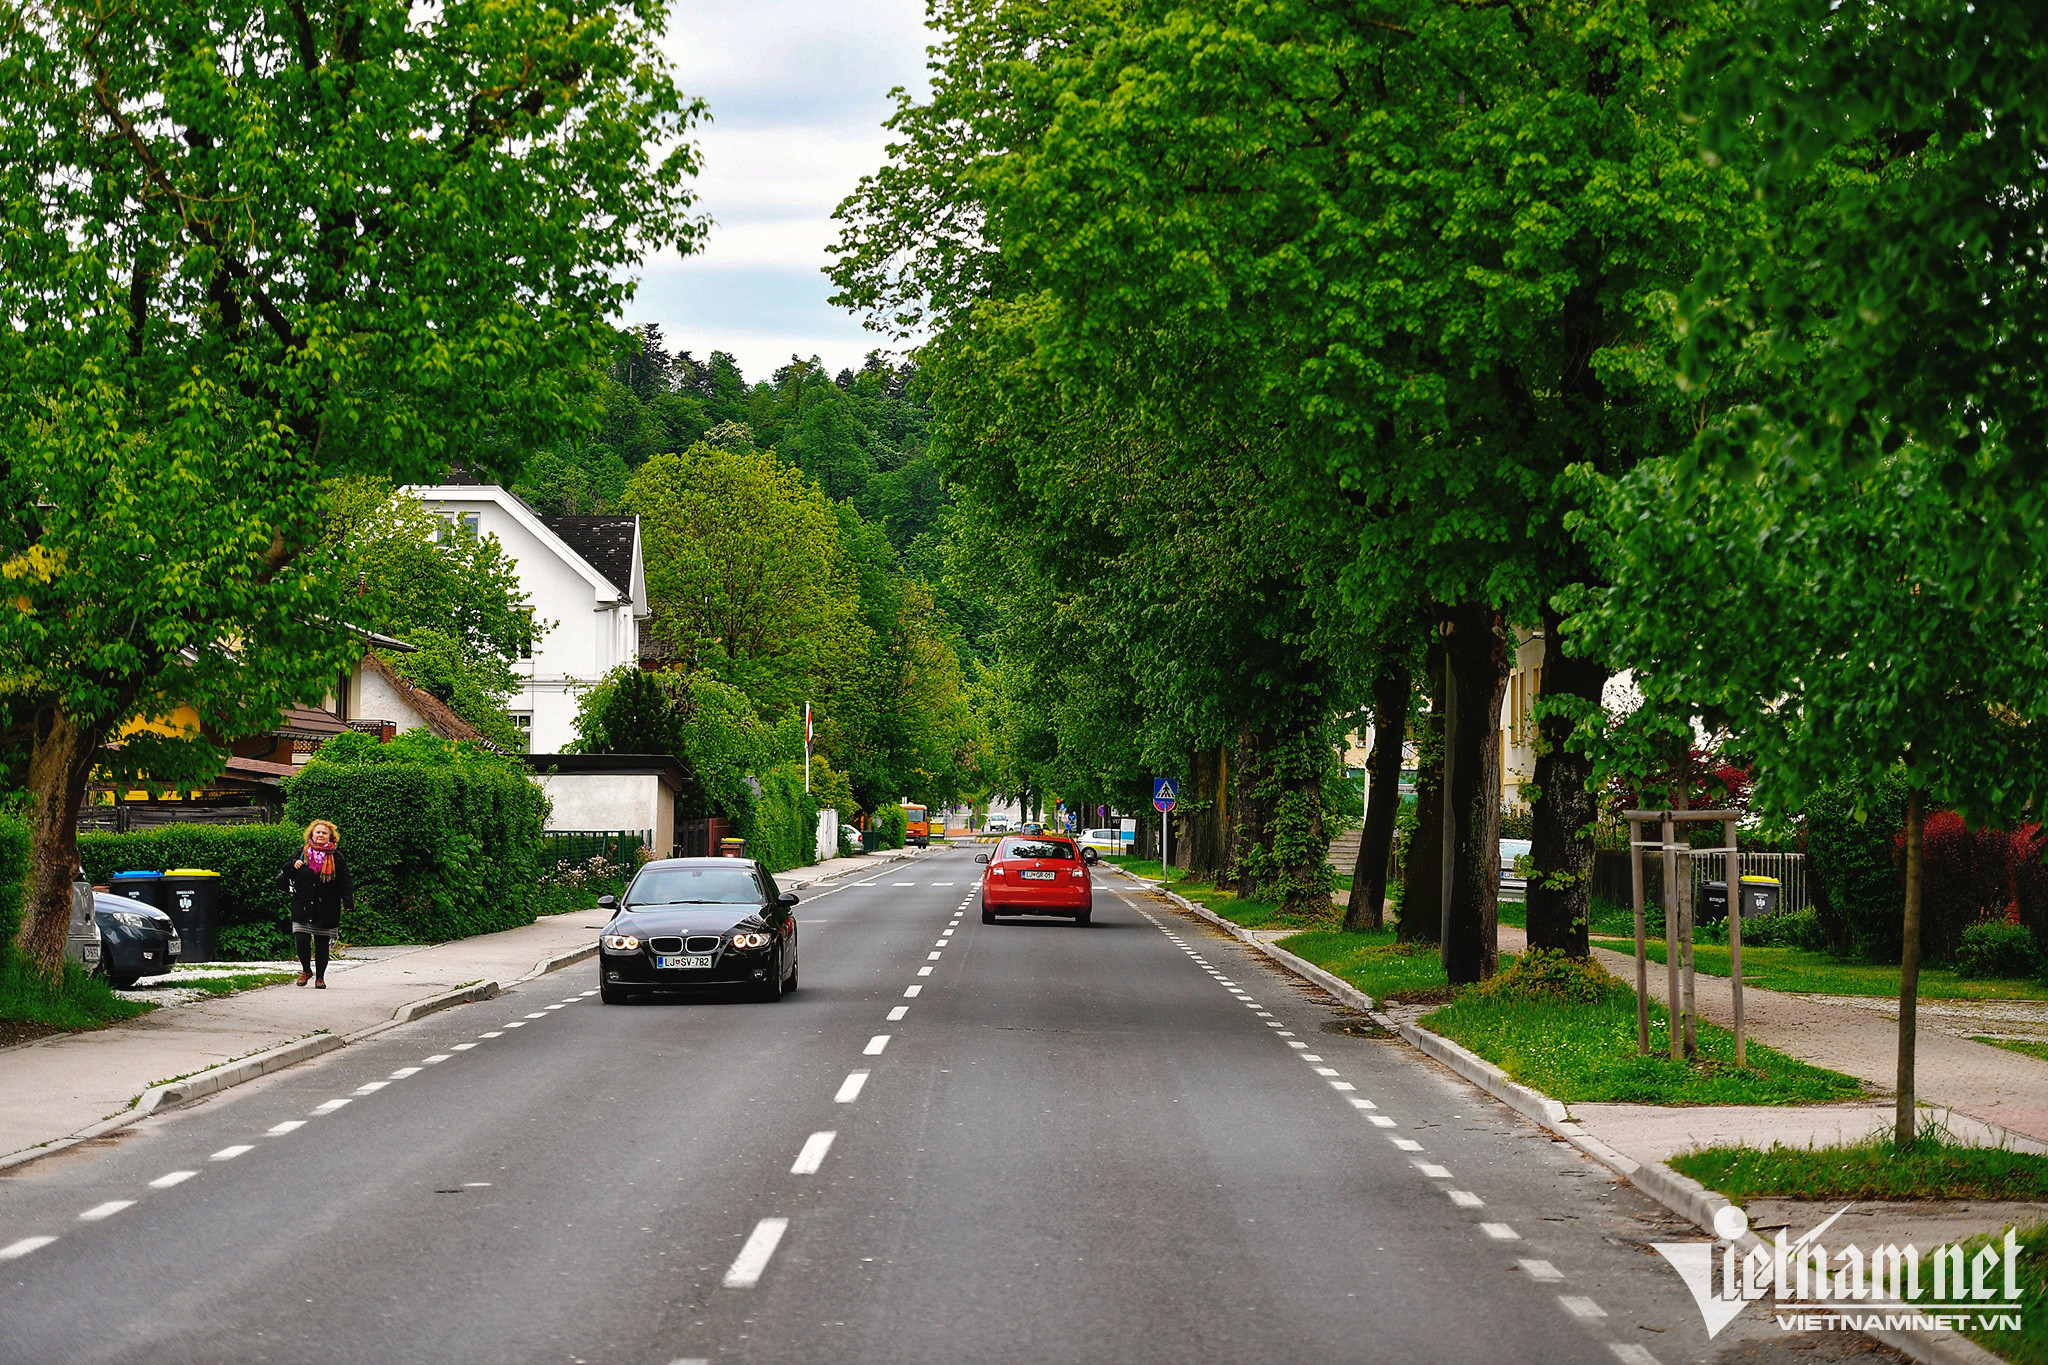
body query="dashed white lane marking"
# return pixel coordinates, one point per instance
(1306, 1056)
(585, 995)
(753, 1258)
(867, 883)
(849, 1089)
(1579, 1306)
(813, 1155)
(538, 1014)
(925, 971)
(106, 1210)
(910, 992)
(1342, 1085)
(288, 1126)
(14, 1251)
(875, 1045)
(1326, 1071)
(903, 883)
(700, 1360)
(1465, 1199)
(571, 999)
(1276, 1024)
(1631, 1354)
(516, 1023)
(931, 957)
(164, 1182)
(898, 1013)
(945, 935)
(494, 1033)
(1436, 1172)
(554, 1007)
(1381, 1120)
(1541, 1270)
(1361, 1102)
(461, 1047)
(405, 1071)
(371, 1087)
(942, 883)
(1500, 1232)
(331, 1105)
(1408, 1144)
(441, 1056)
(230, 1153)
(940, 944)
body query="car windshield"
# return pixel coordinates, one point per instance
(694, 886)
(1038, 848)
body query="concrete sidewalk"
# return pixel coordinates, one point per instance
(58, 1087)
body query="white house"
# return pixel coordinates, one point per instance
(587, 584)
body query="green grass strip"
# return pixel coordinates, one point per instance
(79, 1001)
(1870, 1169)
(1375, 963)
(2031, 1049)
(1799, 971)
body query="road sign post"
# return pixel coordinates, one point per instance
(1165, 796)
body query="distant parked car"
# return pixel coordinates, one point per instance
(1101, 840)
(853, 839)
(996, 824)
(136, 940)
(1511, 849)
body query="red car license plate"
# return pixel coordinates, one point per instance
(1038, 876)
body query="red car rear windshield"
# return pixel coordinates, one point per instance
(1036, 848)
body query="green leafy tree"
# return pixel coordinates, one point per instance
(628, 713)
(251, 249)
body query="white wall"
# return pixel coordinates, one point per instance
(588, 633)
(611, 801)
(828, 834)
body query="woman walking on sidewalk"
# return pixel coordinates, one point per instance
(321, 890)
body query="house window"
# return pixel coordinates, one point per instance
(464, 523)
(522, 721)
(526, 639)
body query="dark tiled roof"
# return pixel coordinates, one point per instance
(307, 722)
(606, 544)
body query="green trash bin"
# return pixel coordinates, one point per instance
(191, 897)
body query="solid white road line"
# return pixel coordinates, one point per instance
(1579, 1306)
(753, 1258)
(230, 1153)
(875, 1045)
(288, 1126)
(330, 1106)
(1465, 1199)
(16, 1250)
(898, 1013)
(813, 1155)
(1541, 1270)
(849, 1089)
(106, 1210)
(164, 1182)
(1500, 1232)
(910, 992)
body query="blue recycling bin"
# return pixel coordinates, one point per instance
(146, 887)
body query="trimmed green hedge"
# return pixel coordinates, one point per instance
(255, 913)
(13, 874)
(891, 827)
(443, 839)
(782, 828)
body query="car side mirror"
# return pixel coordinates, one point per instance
(981, 857)
(607, 902)
(786, 898)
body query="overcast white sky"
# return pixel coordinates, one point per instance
(798, 90)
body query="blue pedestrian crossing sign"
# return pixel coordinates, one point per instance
(1165, 794)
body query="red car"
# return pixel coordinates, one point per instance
(1039, 874)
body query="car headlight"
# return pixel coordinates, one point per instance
(751, 940)
(132, 921)
(621, 943)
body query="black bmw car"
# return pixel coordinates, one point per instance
(136, 940)
(689, 923)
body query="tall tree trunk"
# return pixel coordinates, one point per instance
(1297, 860)
(1251, 803)
(1201, 828)
(1560, 895)
(1423, 864)
(1479, 668)
(60, 762)
(1909, 966)
(1390, 694)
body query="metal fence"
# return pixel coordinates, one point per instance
(1788, 868)
(578, 845)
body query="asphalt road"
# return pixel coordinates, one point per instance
(1027, 1142)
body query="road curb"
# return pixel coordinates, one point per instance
(169, 1095)
(1681, 1194)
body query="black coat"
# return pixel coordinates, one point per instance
(315, 902)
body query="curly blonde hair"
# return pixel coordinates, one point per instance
(333, 830)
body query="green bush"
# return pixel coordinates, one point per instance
(255, 913)
(1858, 887)
(14, 845)
(782, 828)
(443, 839)
(889, 828)
(1802, 929)
(1997, 949)
(1547, 974)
